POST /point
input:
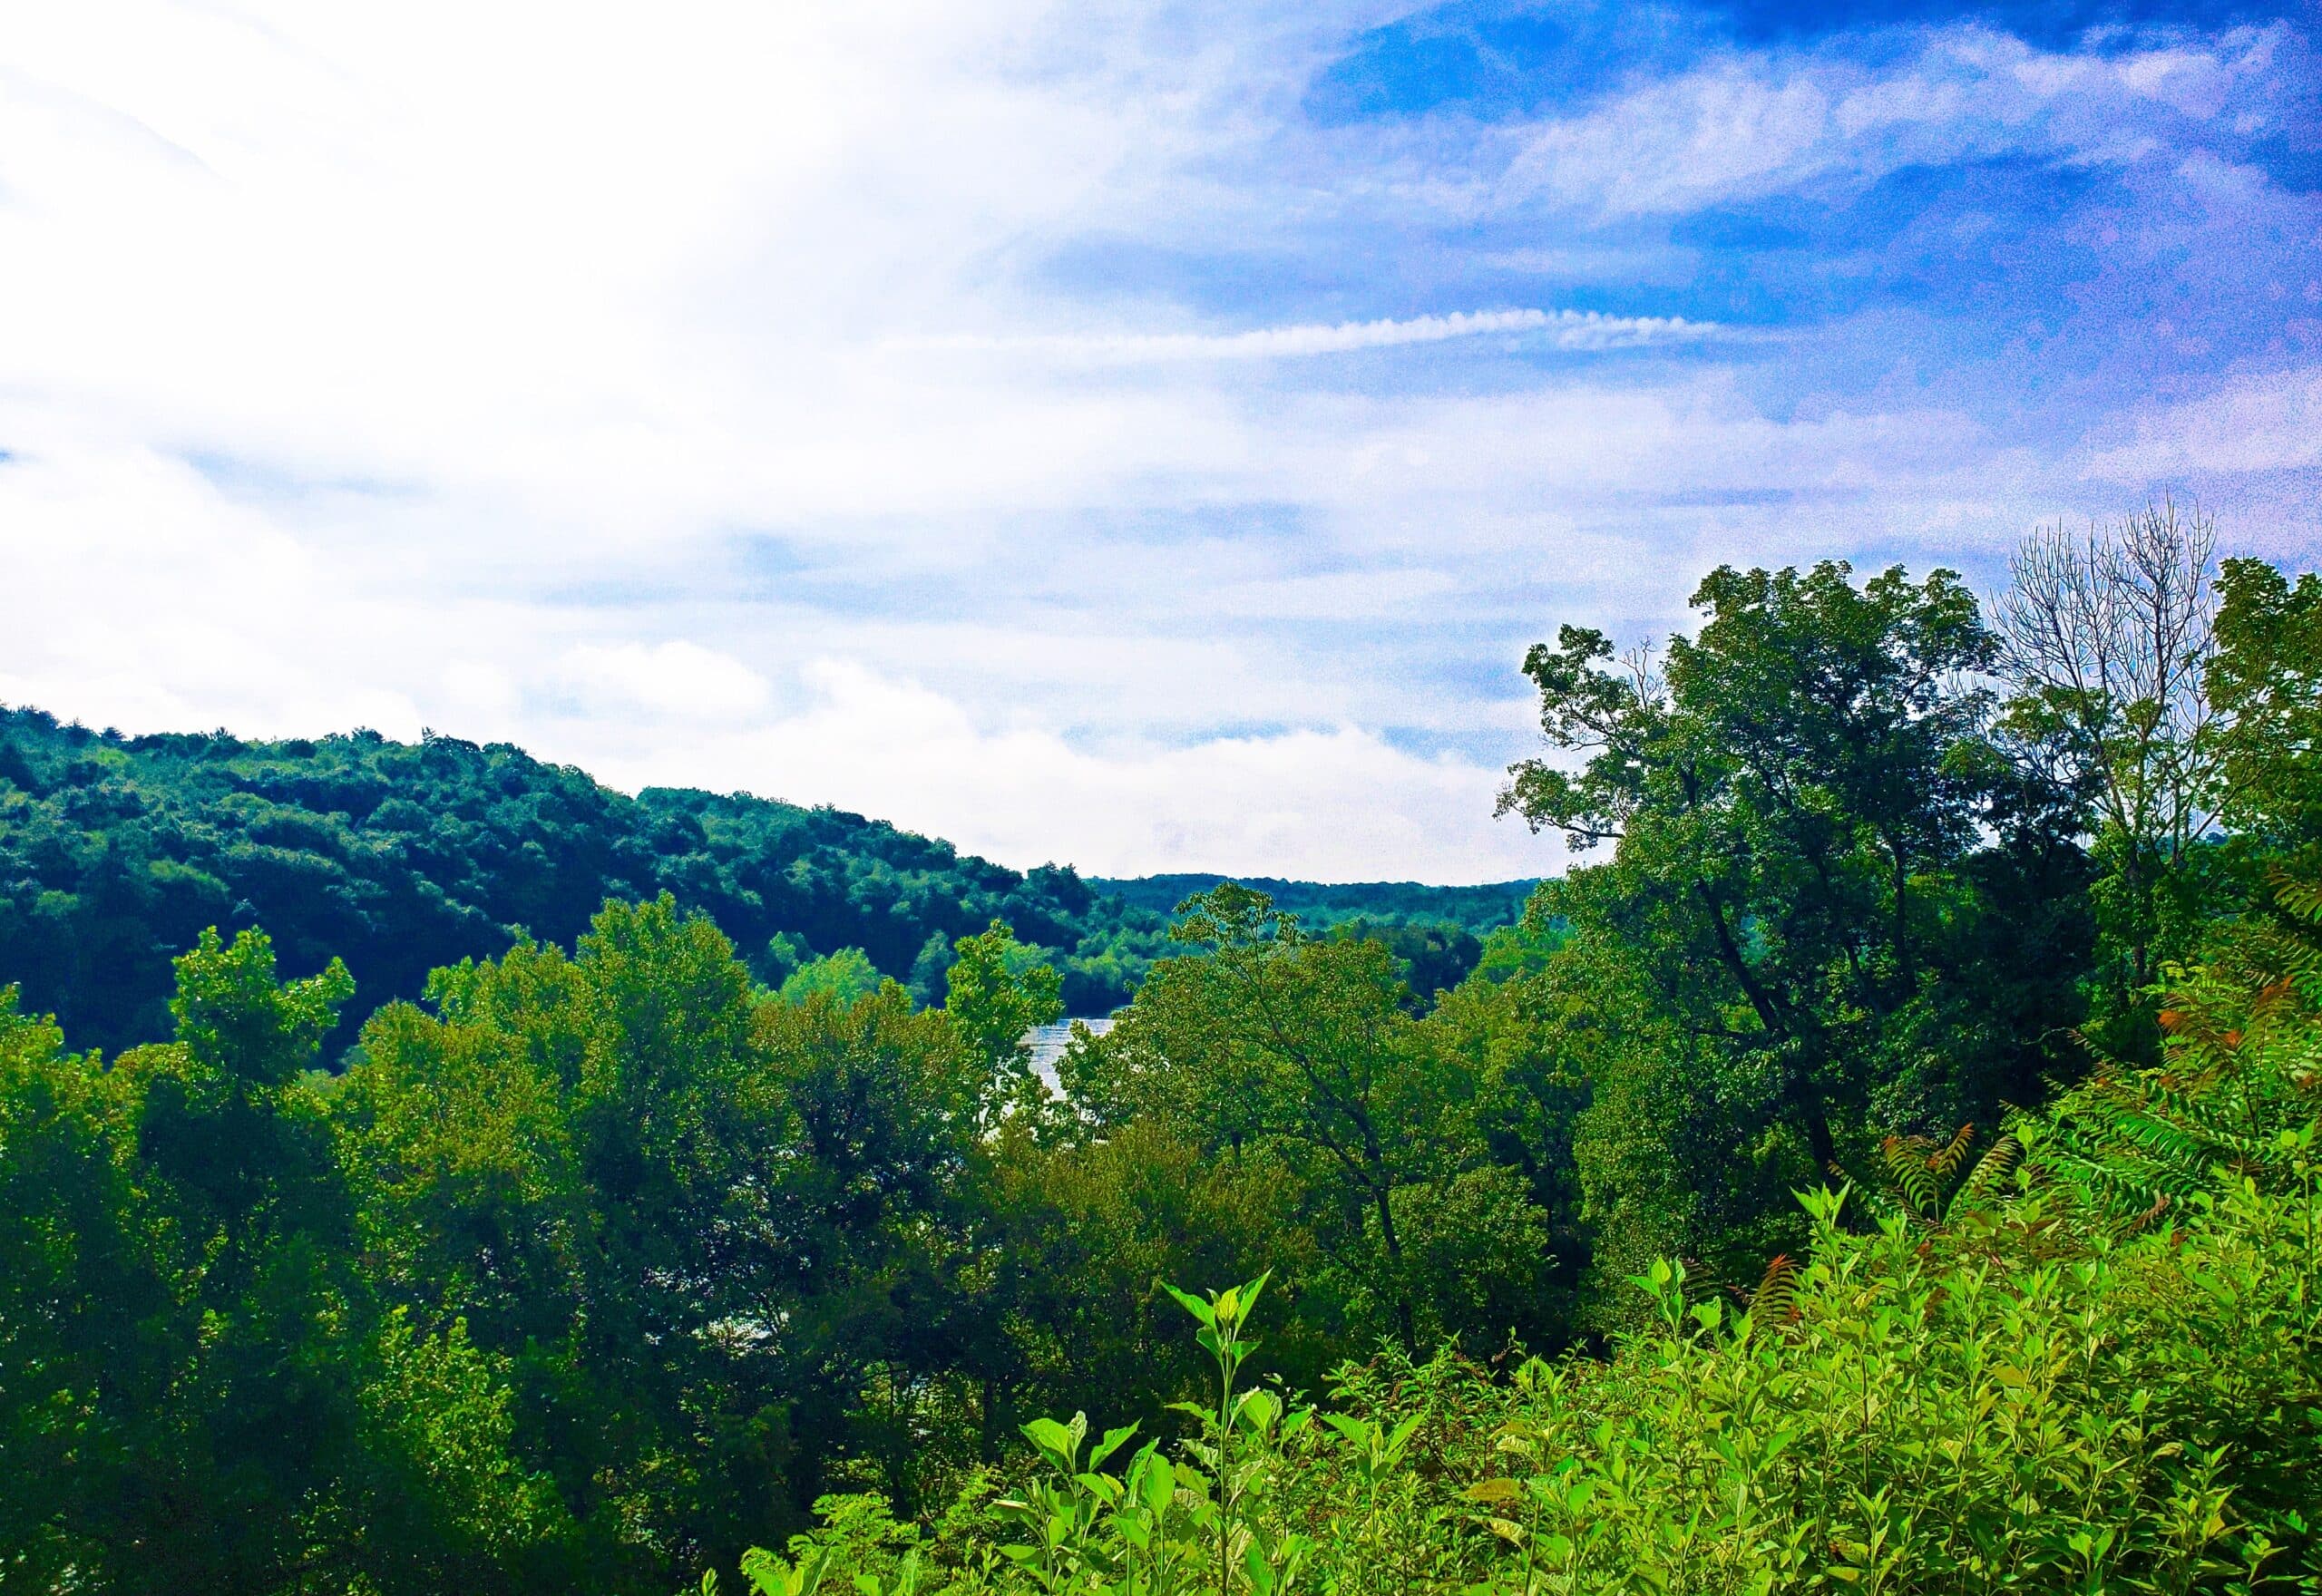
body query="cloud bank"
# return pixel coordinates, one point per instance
(1045, 427)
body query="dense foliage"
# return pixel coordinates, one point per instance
(396, 858)
(1837, 904)
(599, 1258)
(2030, 1394)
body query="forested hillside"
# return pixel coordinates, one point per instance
(116, 852)
(1885, 1162)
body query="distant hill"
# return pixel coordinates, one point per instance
(1320, 905)
(116, 852)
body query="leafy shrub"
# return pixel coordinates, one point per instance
(2019, 1377)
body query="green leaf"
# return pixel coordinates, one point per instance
(1113, 1442)
(1192, 1304)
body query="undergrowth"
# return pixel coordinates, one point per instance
(2085, 1358)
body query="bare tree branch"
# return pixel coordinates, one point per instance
(2114, 633)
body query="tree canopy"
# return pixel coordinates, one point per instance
(1834, 906)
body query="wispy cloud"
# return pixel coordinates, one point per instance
(1572, 330)
(1744, 125)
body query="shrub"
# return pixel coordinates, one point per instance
(2032, 1375)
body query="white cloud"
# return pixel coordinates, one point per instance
(2265, 423)
(1251, 804)
(680, 679)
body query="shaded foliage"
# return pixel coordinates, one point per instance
(1321, 906)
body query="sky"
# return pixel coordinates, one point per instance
(1140, 436)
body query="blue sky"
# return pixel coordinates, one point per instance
(1145, 436)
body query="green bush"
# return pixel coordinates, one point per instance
(2013, 1404)
(2023, 1383)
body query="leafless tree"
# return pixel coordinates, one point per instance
(2108, 638)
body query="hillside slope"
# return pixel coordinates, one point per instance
(116, 852)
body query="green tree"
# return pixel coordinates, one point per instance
(198, 1389)
(783, 954)
(254, 1233)
(846, 975)
(1433, 958)
(696, 1222)
(931, 971)
(565, 1155)
(997, 990)
(2267, 683)
(1792, 941)
(80, 1295)
(1514, 1038)
(1072, 1233)
(1299, 1053)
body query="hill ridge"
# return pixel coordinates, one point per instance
(115, 850)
